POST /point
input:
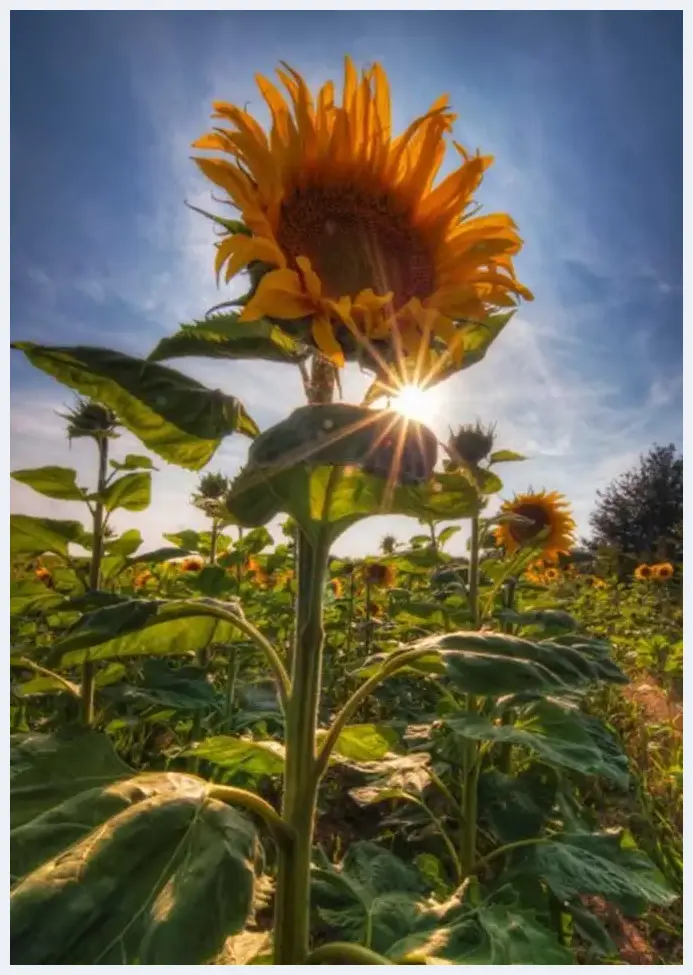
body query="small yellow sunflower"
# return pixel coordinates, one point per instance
(192, 564)
(552, 575)
(643, 572)
(663, 571)
(546, 512)
(344, 229)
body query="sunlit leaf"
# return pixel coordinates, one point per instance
(52, 482)
(222, 336)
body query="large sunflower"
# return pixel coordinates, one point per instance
(545, 513)
(345, 222)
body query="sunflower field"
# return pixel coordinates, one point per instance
(243, 747)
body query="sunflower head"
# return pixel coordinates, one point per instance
(379, 574)
(643, 572)
(142, 579)
(44, 576)
(90, 419)
(552, 575)
(470, 445)
(192, 564)
(546, 523)
(337, 587)
(351, 244)
(258, 573)
(663, 571)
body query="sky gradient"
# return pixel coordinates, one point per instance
(582, 110)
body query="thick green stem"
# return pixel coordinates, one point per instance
(292, 907)
(472, 765)
(88, 673)
(474, 571)
(505, 749)
(213, 541)
(231, 680)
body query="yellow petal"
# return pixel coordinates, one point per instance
(312, 282)
(325, 340)
(279, 295)
(240, 250)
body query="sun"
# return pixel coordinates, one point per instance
(416, 403)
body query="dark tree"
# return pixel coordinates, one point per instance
(640, 514)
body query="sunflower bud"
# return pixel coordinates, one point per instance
(470, 445)
(90, 419)
(211, 487)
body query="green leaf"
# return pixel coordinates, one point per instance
(222, 336)
(157, 555)
(448, 533)
(188, 540)
(143, 628)
(173, 415)
(52, 482)
(29, 597)
(366, 742)
(125, 545)
(134, 462)
(370, 898)
(133, 492)
(47, 769)
(517, 806)
(604, 864)
(34, 536)
(164, 880)
(240, 754)
(180, 688)
(504, 456)
(554, 733)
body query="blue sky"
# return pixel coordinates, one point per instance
(582, 110)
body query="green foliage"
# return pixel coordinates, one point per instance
(222, 336)
(52, 482)
(173, 415)
(34, 536)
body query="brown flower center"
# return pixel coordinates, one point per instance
(355, 242)
(522, 532)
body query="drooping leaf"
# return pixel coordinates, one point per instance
(164, 880)
(52, 482)
(554, 733)
(144, 628)
(173, 415)
(34, 536)
(605, 864)
(133, 492)
(222, 336)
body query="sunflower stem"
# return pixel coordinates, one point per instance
(472, 757)
(88, 673)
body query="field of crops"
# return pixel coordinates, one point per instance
(243, 747)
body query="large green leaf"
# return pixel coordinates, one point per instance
(555, 733)
(180, 688)
(370, 897)
(143, 628)
(517, 806)
(222, 336)
(133, 492)
(34, 536)
(173, 415)
(32, 596)
(366, 742)
(164, 880)
(242, 754)
(53, 482)
(125, 545)
(606, 864)
(47, 769)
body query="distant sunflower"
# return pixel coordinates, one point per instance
(192, 564)
(343, 231)
(142, 579)
(260, 576)
(44, 576)
(379, 574)
(545, 512)
(643, 572)
(663, 571)
(337, 587)
(552, 575)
